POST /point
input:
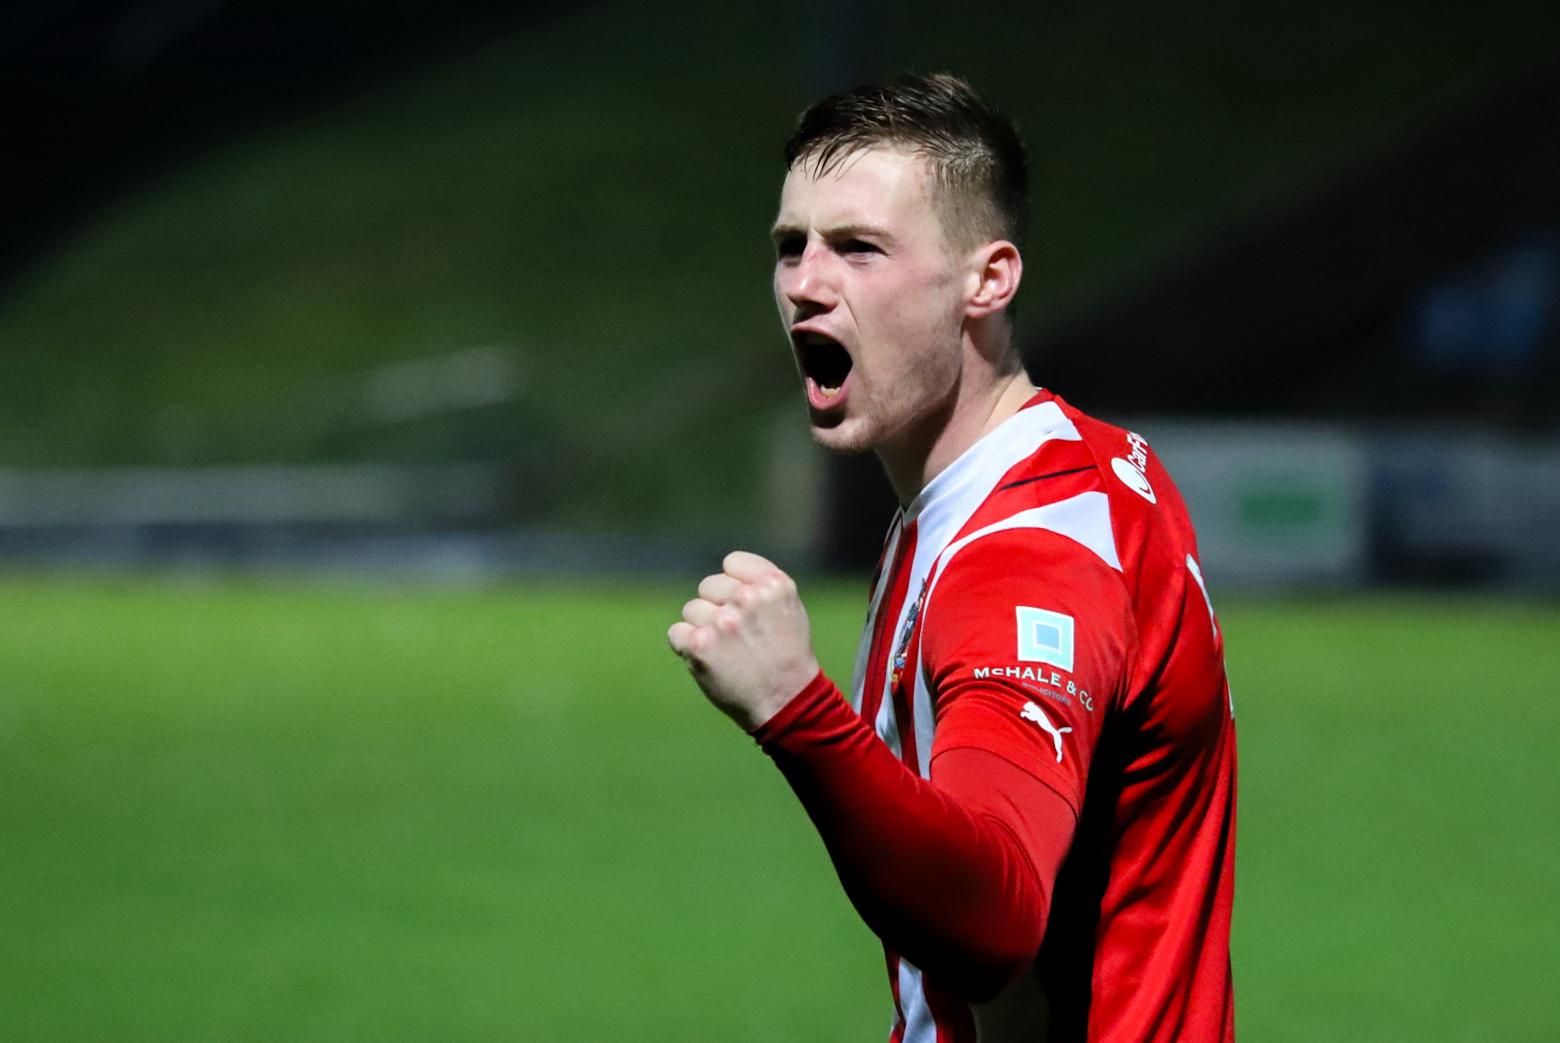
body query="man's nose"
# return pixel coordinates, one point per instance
(807, 280)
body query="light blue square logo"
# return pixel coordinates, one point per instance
(1045, 637)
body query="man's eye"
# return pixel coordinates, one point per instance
(861, 246)
(790, 246)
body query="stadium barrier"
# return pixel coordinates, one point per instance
(1280, 506)
(1276, 506)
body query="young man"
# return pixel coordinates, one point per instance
(1032, 799)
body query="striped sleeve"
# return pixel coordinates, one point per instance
(1027, 640)
(952, 873)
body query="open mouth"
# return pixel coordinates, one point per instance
(824, 361)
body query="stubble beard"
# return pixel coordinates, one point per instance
(843, 437)
(869, 431)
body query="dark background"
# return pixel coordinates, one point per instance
(1342, 215)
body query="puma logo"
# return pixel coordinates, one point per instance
(1032, 712)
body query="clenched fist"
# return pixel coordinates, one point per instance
(746, 640)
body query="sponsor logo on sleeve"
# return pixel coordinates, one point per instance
(1045, 637)
(1032, 712)
(1133, 468)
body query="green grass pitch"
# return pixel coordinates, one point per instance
(289, 811)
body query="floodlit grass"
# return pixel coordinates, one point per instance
(288, 811)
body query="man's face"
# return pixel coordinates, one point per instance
(872, 298)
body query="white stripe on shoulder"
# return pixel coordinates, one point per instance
(967, 481)
(953, 497)
(943, 508)
(1084, 519)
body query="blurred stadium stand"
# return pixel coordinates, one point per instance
(1367, 299)
(115, 90)
(1356, 378)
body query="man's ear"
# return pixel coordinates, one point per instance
(995, 271)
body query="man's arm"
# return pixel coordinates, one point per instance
(953, 873)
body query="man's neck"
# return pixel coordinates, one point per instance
(967, 421)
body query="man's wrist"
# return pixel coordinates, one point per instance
(783, 716)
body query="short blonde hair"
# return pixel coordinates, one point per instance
(980, 175)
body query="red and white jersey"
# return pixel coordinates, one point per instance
(1042, 599)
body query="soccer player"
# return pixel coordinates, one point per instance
(1031, 796)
